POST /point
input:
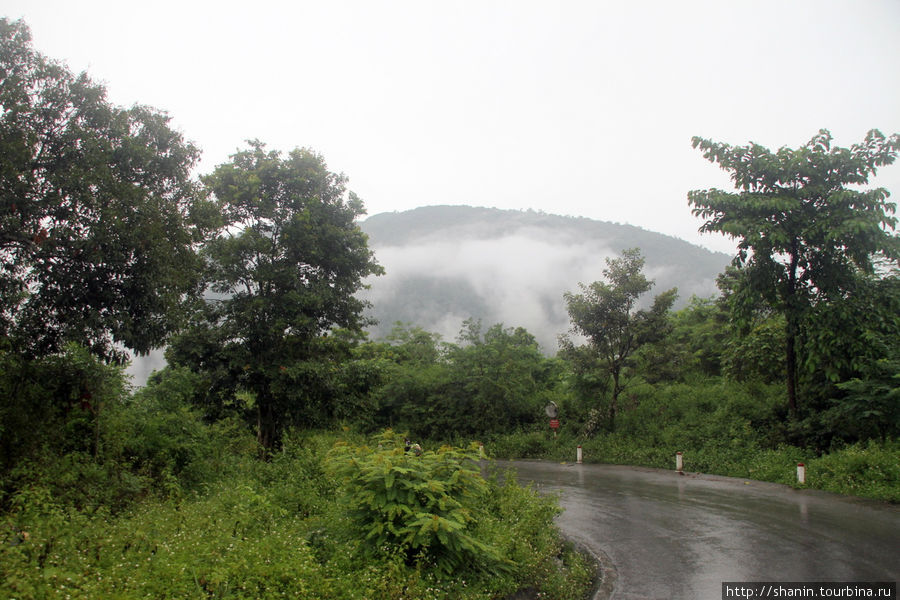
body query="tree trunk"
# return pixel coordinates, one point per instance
(96, 433)
(266, 427)
(791, 317)
(791, 366)
(614, 403)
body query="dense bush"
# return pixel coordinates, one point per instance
(868, 469)
(530, 444)
(274, 529)
(423, 504)
(489, 382)
(91, 445)
(57, 426)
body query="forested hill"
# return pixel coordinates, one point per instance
(448, 263)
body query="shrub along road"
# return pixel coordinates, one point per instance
(672, 536)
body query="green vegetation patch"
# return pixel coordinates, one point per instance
(279, 529)
(870, 469)
(722, 428)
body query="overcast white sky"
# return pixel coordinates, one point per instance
(581, 108)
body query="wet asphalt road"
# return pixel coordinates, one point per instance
(663, 535)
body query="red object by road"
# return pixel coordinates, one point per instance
(554, 423)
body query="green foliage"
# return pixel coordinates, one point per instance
(424, 505)
(296, 478)
(60, 404)
(491, 381)
(75, 432)
(536, 443)
(268, 530)
(691, 347)
(161, 436)
(870, 407)
(716, 423)
(98, 215)
(870, 469)
(757, 355)
(519, 521)
(586, 383)
(700, 329)
(724, 428)
(285, 265)
(498, 381)
(414, 344)
(843, 338)
(605, 313)
(417, 399)
(234, 544)
(851, 351)
(803, 236)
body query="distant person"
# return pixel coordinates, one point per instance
(414, 448)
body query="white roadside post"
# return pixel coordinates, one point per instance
(578, 455)
(801, 473)
(679, 462)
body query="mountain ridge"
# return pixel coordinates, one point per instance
(505, 266)
(448, 263)
(380, 223)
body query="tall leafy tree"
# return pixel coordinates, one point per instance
(804, 231)
(607, 314)
(284, 268)
(97, 211)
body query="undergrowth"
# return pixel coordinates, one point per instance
(278, 529)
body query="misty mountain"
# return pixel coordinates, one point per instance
(445, 264)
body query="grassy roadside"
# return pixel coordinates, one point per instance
(868, 470)
(276, 529)
(721, 428)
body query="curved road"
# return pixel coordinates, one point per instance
(664, 535)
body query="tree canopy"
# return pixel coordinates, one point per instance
(282, 272)
(606, 314)
(98, 222)
(805, 232)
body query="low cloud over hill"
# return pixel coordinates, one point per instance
(448, 263)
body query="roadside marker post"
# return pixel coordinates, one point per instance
(801, 473)
(578, 455)
(679, 462)
(554, 425)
